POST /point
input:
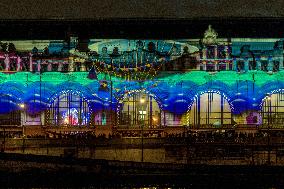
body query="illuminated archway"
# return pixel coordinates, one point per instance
(10, 110)
(68, 108)
(272, 108)
(210, 108)
(137, 109)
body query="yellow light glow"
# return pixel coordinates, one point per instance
(66, 121)
(155, 119)
(22, 105)
(142, 100)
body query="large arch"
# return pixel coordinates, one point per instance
(176, 107)
(68, 108)
(38, 96)
(272, 108)
(210, 107)
(11, 97)
(10, 109)
(139, 108)
(269, 88)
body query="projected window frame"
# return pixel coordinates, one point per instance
(272, 111)
(13, 116)
(136, 113)
(202, 111)
(69, 109)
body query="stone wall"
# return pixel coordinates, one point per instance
(153, 151)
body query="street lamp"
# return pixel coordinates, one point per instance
(142, 101)
(22, 107)
(155, 119)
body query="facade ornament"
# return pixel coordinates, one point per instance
(210, 36)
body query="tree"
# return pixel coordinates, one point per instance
(11, 48)
(34, 50)
(46, 51)
(4, 47)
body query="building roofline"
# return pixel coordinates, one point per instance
(145, 28)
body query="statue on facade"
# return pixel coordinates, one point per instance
(11, 48)
(174, 53)
(210, 36)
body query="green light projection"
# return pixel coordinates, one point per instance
(198, 77)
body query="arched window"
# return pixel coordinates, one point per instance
(10, 113)
(139, 109)
(273, 108)
(210, 108)
(69, 108)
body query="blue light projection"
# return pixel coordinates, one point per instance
(244, 71)
(174, 96)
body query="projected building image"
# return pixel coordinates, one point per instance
(123, 85)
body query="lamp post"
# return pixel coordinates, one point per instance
(142, 101)
(269, 127)
(22, 107)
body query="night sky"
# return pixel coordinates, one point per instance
(79, 9)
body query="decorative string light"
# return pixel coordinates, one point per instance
(194, 99)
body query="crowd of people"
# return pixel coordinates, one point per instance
(217, 136)
(231, 136)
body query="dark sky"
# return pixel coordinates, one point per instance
(78, 9)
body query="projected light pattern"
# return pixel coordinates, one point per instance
(210, 107)
(179, 75)
(68, 108)
(71, 117)
(137, 108)
(244, 92)
(175, 95)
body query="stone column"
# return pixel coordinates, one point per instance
(216, 52)
(38, 65)
(83, 66)
(227, 65)
(216, 65)
(49, 66)
(270, 64)
(31, 63)
(19, 64)
(71, 64)
(227, 52)
(280, 59)
(204, 66)
(7, 62)
(235, 65)
(42, 118)
(204, 52)
(60, 65)
(258, 65)
(246, 68)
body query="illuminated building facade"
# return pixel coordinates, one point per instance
(207, 82)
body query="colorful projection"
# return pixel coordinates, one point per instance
(192, 81)
(68, 108)
(175, 94)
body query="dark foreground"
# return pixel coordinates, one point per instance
(17, 170)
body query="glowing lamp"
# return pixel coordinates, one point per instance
(66, 121)
(22, 105)
(142, 100)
